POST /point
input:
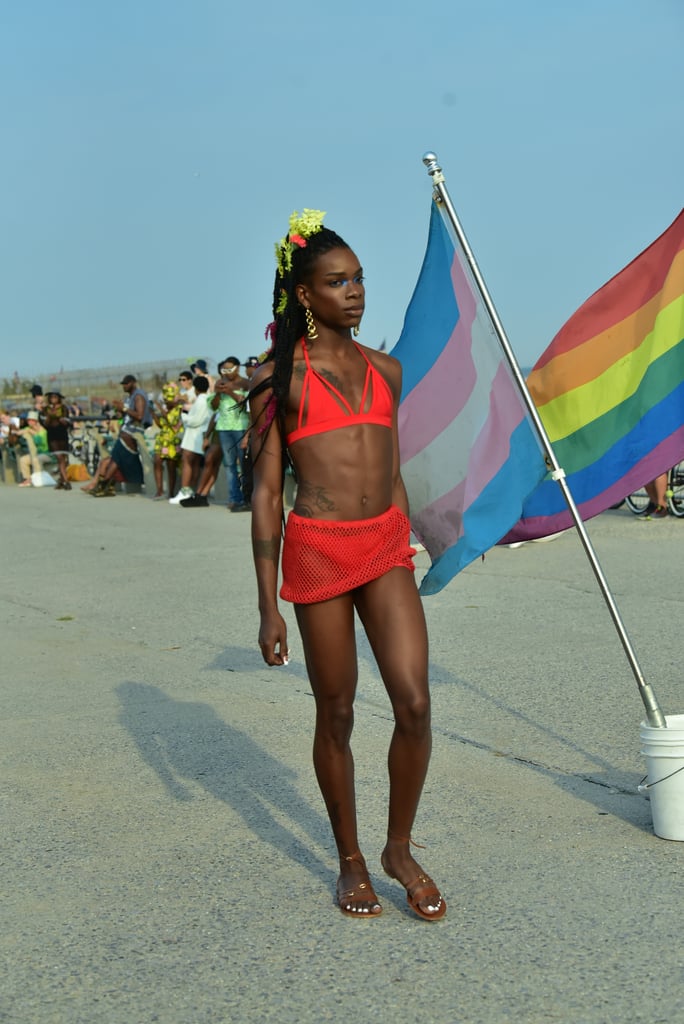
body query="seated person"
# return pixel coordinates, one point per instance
(5, 427)
(27, 464)
(657, 493)
(137, 415)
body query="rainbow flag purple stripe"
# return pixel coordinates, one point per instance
(469, 454)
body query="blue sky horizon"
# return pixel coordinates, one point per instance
(156, 149)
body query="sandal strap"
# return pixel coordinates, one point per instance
(350, 894)
(421, 888)
(356, 856)
(362, 892)
(404, 839)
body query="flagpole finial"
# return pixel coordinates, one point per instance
(433, 168)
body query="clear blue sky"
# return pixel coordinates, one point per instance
(152, 151)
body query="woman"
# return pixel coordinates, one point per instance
(195, 423)
(167, 442)
(55, 419)
(329, 405)
(224, 438)
(186, 390)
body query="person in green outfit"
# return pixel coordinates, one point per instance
(232, 427)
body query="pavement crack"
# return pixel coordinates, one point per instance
(539, 766)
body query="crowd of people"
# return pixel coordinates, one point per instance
(194, 425)
(39, 436)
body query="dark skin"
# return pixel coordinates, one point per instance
(53, 415)
(136, 411)
(160, 461)
(350, 473)
(229, 383)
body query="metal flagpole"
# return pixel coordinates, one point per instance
(441, 196)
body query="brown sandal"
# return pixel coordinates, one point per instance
(422, 888)
(362, 893)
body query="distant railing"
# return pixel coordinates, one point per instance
(94, 386)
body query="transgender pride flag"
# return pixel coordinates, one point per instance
(469, 453)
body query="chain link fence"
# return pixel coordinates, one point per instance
(93, 387)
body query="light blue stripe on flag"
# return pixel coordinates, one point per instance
(490, 514)
(470, 455)
(433, 311)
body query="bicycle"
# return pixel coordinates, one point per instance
(640, 504)
(91, 444)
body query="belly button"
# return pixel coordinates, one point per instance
(364, 499)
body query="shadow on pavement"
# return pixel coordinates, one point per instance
(186, 742)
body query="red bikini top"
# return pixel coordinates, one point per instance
(325, 408)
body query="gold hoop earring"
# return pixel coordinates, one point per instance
(355, 332)
(311, 331)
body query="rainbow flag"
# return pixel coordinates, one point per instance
(610, 389)
(469, 454)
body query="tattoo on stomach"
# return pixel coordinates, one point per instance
(310, 498)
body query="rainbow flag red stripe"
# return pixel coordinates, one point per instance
(610, 389)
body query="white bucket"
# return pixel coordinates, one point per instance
(664, 753)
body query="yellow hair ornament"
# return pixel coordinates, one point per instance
(302, 226)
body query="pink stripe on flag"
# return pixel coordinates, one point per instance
(493, 445)
(504, 412)
(440, 523)
(440, 395)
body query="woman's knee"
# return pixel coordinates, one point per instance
(335, 720)
(412, 714)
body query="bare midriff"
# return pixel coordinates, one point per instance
(344, 474)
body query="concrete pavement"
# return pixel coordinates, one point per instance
(165, 852)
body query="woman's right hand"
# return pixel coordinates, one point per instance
(273, 639)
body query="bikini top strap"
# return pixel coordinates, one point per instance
(306, 354)
(305, 386)
(366, 383)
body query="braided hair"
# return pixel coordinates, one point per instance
(289, 324)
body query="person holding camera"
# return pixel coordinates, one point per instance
(232, 427)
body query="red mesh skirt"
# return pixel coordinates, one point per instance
(323, 558)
